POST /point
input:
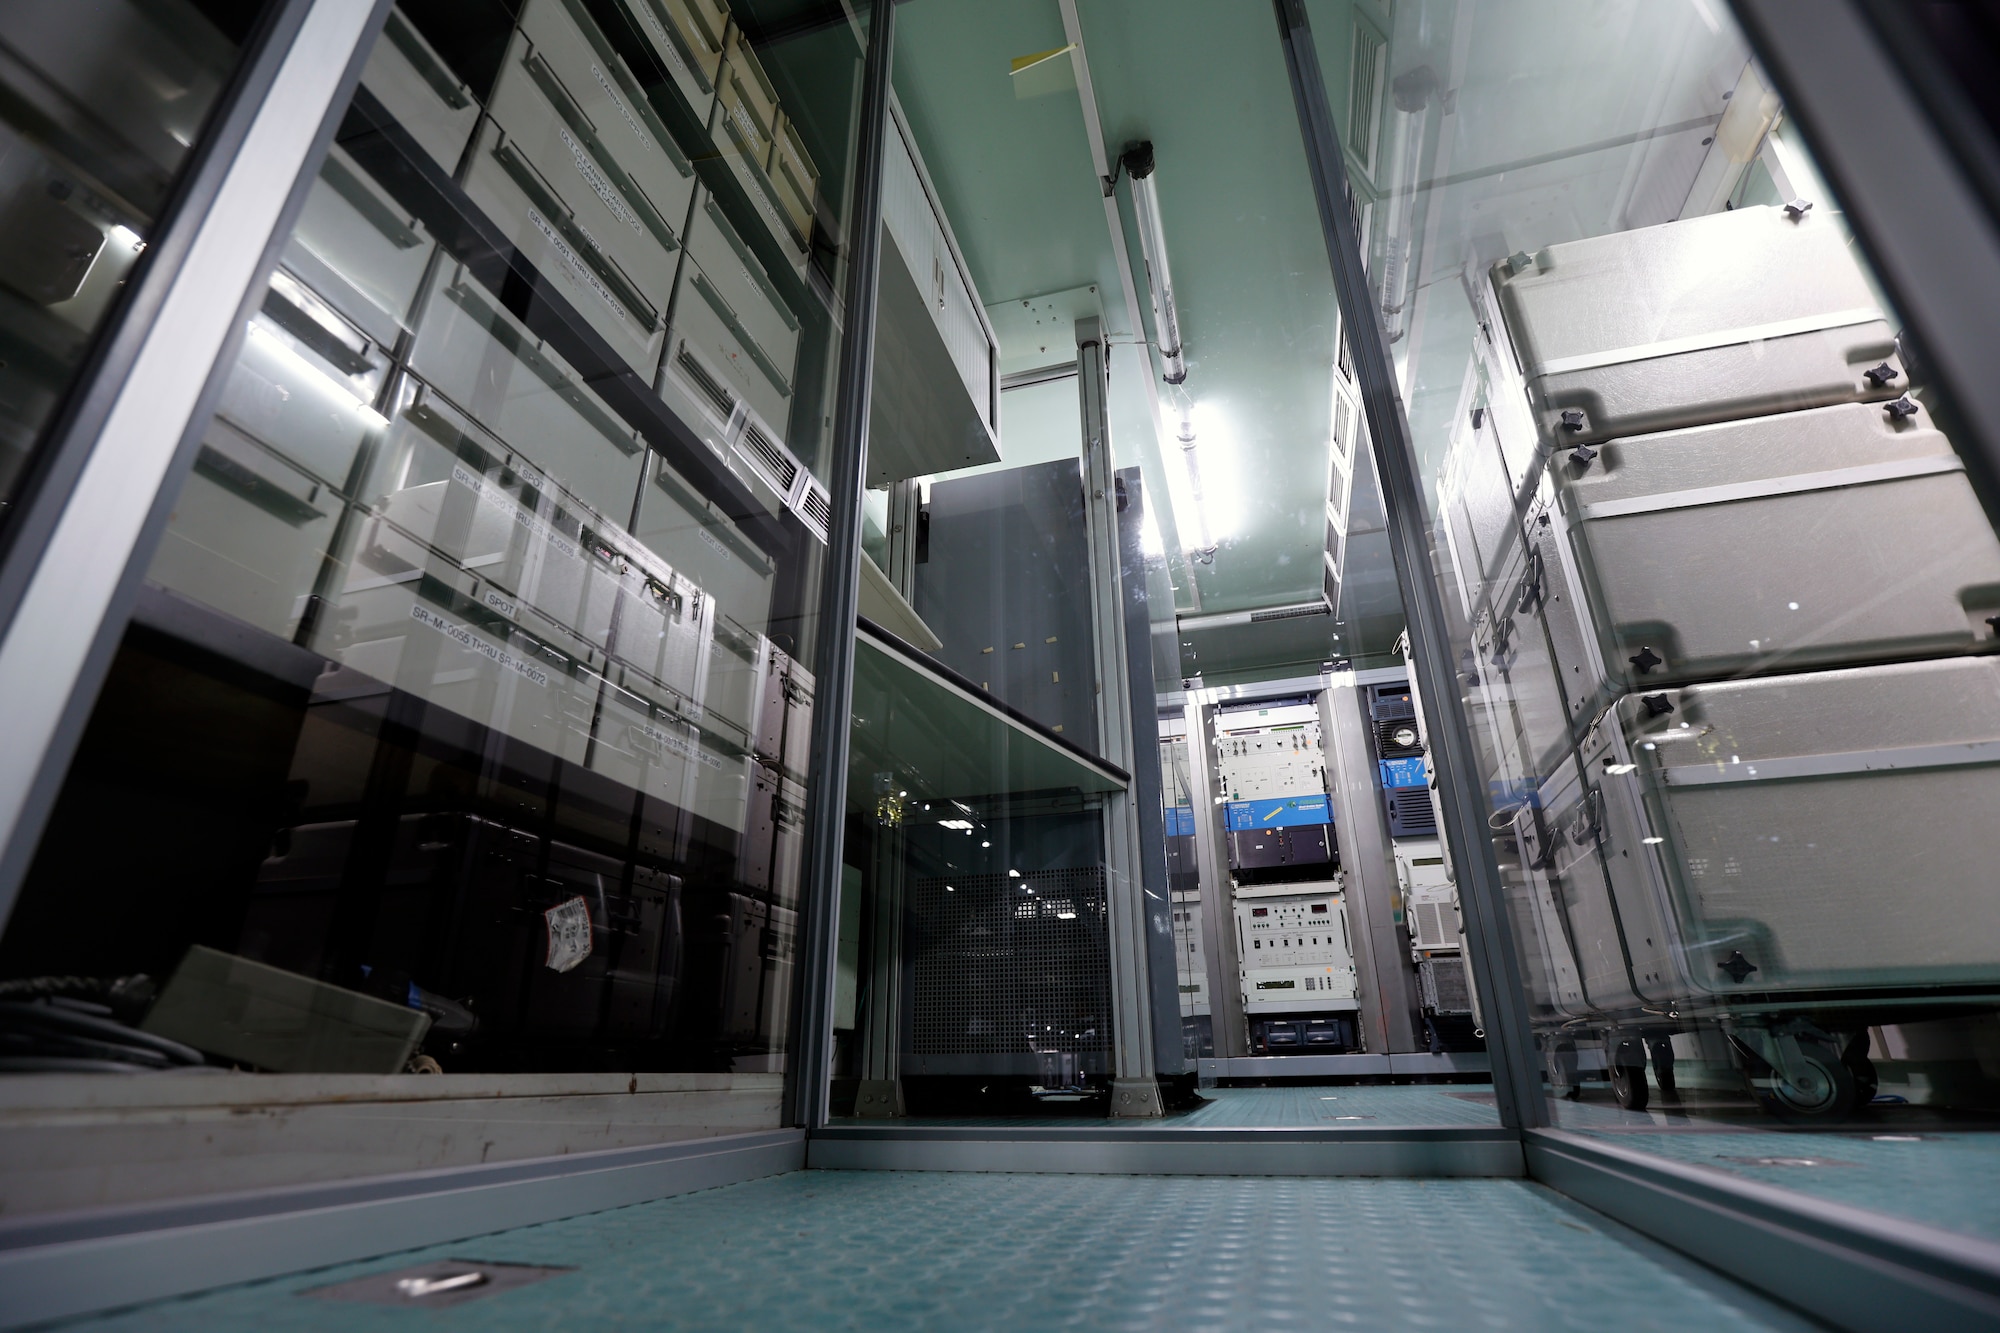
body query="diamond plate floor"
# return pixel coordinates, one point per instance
(882, 1250)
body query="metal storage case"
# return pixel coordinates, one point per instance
(686, 37)
(1845, 781)
(505, 183)
(419, 89)
(588, 84)
(1733, 314)
(1843, 534)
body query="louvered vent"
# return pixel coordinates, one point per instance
(1364, 94)
(1411, 814)
(718, 397)
(817, 507)
(1445, 986)
(770, 458)
(1433, 931)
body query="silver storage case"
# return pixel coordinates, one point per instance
(744, 286)
(788, 818)
(737, 366)
(534, 216)
(1517, 666)
(1477, 502)
(1733, 314)
(1577, 847)
(359, 249)
(420, 91)
(686, 36)
(549, 146)
(704, 545)
(601, 101)
(1843, 534)
(1814, 828)
(744, 130)
(477, 354)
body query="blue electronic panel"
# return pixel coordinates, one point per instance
(1284, 812)
(1403, 773)
(1180, 821)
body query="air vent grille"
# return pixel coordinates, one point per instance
(770, 457)
(1364, 94)
(718, 397)
(1411, 814)
(1446, 988)
(817, 507)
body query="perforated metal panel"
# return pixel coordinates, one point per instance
(1007, 966)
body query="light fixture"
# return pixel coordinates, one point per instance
(1138, 161)
(965, 824)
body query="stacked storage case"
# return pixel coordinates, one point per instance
(407, 478)
(1729, 594)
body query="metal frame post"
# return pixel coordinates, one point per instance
(79, 546)
(1228, 1032)
(1496, 966)
(1368, 868)
(811, 1066)
(1135, 1089)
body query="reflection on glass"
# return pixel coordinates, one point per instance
(480, 638)
(1724, 602)
(104, 100)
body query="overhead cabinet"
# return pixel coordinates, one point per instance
(936, 402)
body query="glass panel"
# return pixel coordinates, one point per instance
(103, 103)
(984, 899)
(462, 727)
(1723, 598)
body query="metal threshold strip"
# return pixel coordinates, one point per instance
(1855, 1268)
(1152, 1148)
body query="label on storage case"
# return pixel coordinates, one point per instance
(577, 269)
(569, 933)
(493, 652)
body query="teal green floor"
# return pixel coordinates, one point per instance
(890, 1250)
(1906, 1161)
(1335, 1107)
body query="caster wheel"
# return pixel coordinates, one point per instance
(1866, 1080)
(1823, 1088)
(1628, 1085)
(1662, 1051)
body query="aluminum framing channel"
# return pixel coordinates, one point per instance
(810, 1068)
(1382, 972)
(1229, 1033)
(1134, 1089)
(1496, 965)
(80, 1263)
(72, 610)
(1854, 1268)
